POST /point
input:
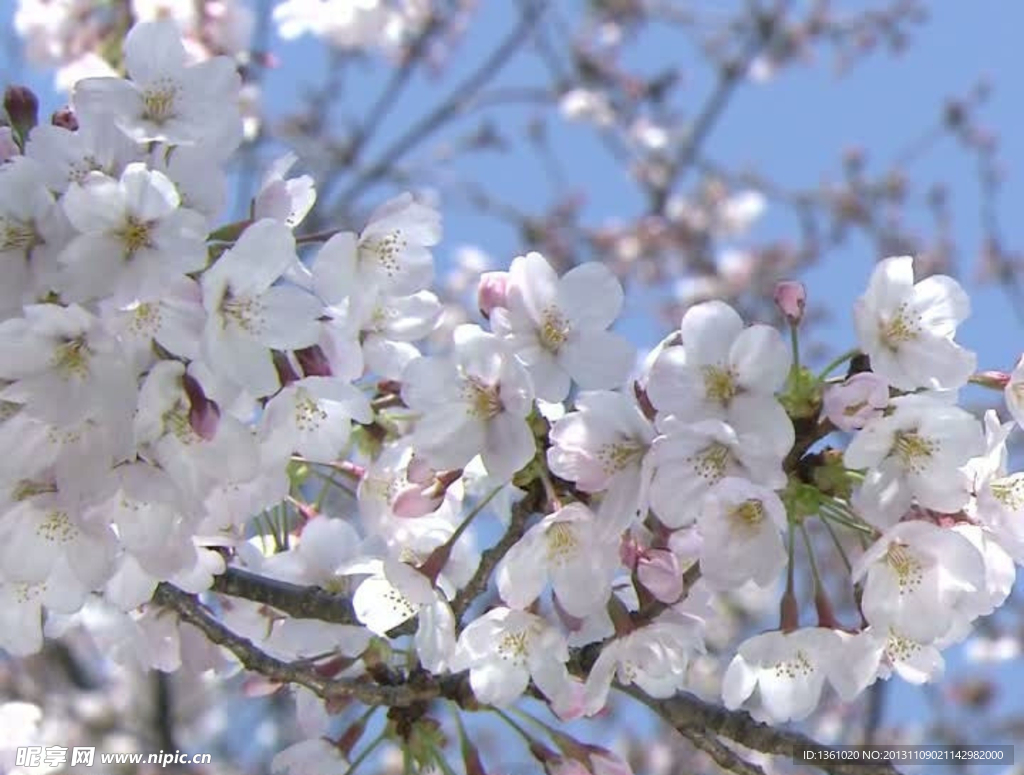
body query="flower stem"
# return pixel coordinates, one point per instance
(837, 362)
(839, 545)
(366, 752)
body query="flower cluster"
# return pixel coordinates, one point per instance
(167, 384)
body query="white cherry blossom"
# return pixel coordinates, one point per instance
(789, 669)
(474, 403)
(907, 329)
(63, 366)
(601, 447)
(504, 649)
(567, 548)
(914, 577)
(655, 658)
(690, 458)
(557, 326)
(719, 360)
(134, 238)
(166, 99)
(914, 453)
(313, 417)
(248, 315)
(741, 525)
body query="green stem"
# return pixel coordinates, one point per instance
(839, 546)
(794, 341)
(810, 556)
(511, 722)
(837, 362)
(366, 752)
(476, 510)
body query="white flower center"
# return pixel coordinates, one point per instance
(56, 528)
(308, 414)
(71, 359)
(134, 235)
(1009, 491)
(719, 384)
(175, 421)
(710, 463)
(484, 400)
(18, 235)
(554, 330)
(244, 312)
(146, 319)
(898, 329)
(561, 541)
(909, 569)
(899, 648)
(514, 646)
(618, 455)
(399, 602)
(913, 450)
(159, 100)
(797, 666)
(26, 593)
(385, 251)
(748, 515)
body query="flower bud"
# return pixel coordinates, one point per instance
(859, 399)
(203, 414)
(791, 299)
(22, 108)
(492, 292)
(659, 572)
(414, 501)
(313, 361)
(65, 118)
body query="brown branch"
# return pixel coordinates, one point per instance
(300, 602)
(189, 609)
(691, 715)
(720, 753)
(489, 559)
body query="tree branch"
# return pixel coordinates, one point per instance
(521, 513)
(191, 610)
(692, 716)
(300, 602)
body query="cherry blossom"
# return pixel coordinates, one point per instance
(719, 361)
(165, 100)
(789, 670)
(601, 447)
(565, 547)
(907, 329)
(557, 327)
(914, 453)
(474, 403)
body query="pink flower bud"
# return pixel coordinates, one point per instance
(313, 361)
(997, 380)
(791, 299)
(492, 292)
(414, 501)
(203, 414)
(852, 404)
(659, 572)
(22, 106)
(65, 118)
